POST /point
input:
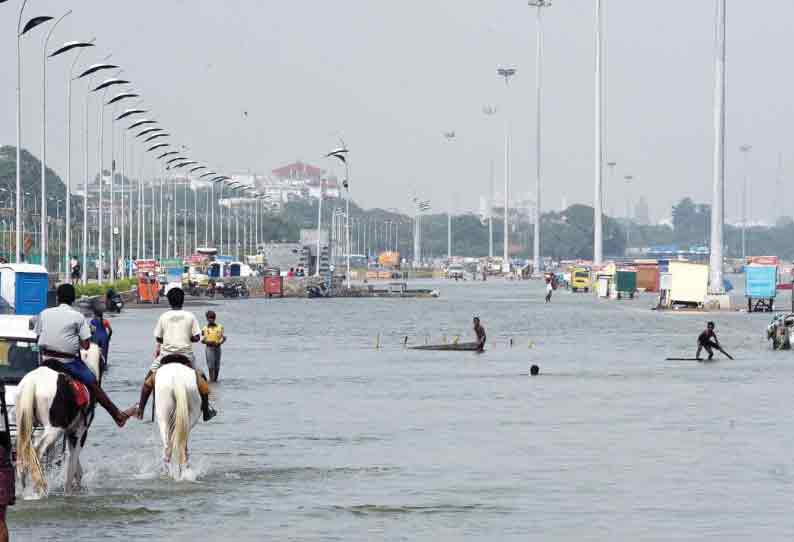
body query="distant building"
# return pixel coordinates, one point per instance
(522, 208)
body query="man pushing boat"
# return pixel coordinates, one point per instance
(707, 340)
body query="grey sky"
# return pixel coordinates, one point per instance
(393, 76)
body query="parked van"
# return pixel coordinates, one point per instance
(580, 279)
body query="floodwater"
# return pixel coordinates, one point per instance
(323, 437)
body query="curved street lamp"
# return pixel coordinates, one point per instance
(21, 31)
(166, 154)
(148, 131)
(111, 233)
(68, 47)
(156, 136)
(80, 46)
(158, 146)
(89, 73)
(341, 155)
(142, 122)
(109, 83)
(130, 112)
(122, 96)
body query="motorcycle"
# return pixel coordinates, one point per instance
(234, 290)
(113, 302)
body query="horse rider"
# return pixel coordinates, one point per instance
(62, 332)
(175, 333)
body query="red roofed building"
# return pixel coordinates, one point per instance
(298, 171)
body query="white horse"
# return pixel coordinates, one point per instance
(34, 405)
(178, 406)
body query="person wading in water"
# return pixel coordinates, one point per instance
(213, 338)
(62, 332)
(175, 333)
(480, 331)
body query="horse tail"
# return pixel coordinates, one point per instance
(27, 458)
(181, 422)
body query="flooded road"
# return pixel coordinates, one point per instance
(323, 437)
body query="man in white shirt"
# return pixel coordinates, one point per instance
(175, 333)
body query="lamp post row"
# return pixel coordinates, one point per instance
(89, 73)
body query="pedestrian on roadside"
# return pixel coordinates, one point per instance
(212, 336)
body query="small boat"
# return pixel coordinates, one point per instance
(452, 347)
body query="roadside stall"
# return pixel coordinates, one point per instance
(148, 285)
(648, 277)
(685, 285)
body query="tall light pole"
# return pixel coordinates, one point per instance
(745, 149)
(598, 205)
(716, 286)
(611, 166)
(122, 116)
(506, 73)
(489, 112)
(43, 233)
(63, 49)
(88, 72)
(319, 226)
(103, 87)
(112, 233)
(21, 31)
(450, 137)
(341, 155)
(628, 179)
(539, 4)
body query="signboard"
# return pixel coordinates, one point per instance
(145, 266)
(172, 263)
(173, 273)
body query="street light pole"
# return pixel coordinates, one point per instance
(30, 25)
(745, 194)
(506, 73)
(539, 4)
(43, 233)
(450, 137)
(490, 111)
(716, 285)
(598, 206)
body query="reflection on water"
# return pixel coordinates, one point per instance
(321, 436)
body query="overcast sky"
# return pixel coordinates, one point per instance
(392, 77)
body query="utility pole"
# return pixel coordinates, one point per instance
(745, 149)
(506, 73)
(450, 137)
(598, 206)
(716, 286)
(537, 258)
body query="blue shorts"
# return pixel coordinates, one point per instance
(79, 370)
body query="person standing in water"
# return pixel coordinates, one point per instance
(213, 337)
(481, 337)
(549, 290)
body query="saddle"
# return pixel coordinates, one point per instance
(80, 395)
(176, 358)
